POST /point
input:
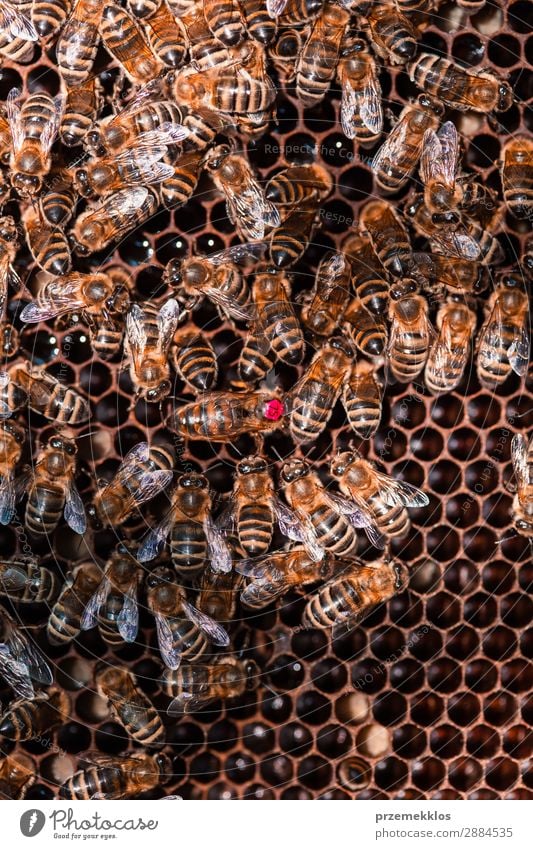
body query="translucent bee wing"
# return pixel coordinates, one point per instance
(75, 511)
(395, 492)
(216, 633)
(371, 110)
(154, 540)
(184, 703)
(275, 8)
(294, 527)
(123, 204)
(38, 667)
(58, 297)
(51, 128)
(7, 501)
(440, 155)
(226, 520)
(251, 211)
(140, 453)
(171, 133)
(230, 305)
(518, 352)
(238, 253)
(13, 112)
(12, 578)
(219, 552)
(169, 652)
(16, 25)
(167, 322)
(519, 451)
(259, 570)
(128, 618)
(261, 593)
(391, 147)
(15, 673)
(152, 483)
(359, 517)
(90, 614)
(136, 332)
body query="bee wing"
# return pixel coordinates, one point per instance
(60, 296)
(140, 453)
(275, 8)
(371, 108)
(169, 652)
(458, 243)
(150, 484)
(7, 501)
(22, 649)
(13, 112)
(219, 552)
(167, 322)
(300, 530)
(90, 614)
(136, 332)
(171, 133)
(15, 673)
(51, 128)
(359, 516)
(440, 155)
(235, 310)
(391, 147)
(74, 510)
(16, 25)
(13, 578)
(447, 352)
(146, 92)
(144, 168)
(518, 351)
(128, 618)
(153, 541)
(184, 703)
(261, 593)
(123, 204)
(394, 492)
(260, 571)
(250, 210)
(216, 633)
(238, 253)
(519, 450)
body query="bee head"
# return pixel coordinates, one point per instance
(27, 185)
(193, 481)
(294, 470)
(157, 393)
(342, 462)
(505, 98)
(251, 465)
(61, 443)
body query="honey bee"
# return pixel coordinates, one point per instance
(82, 105)
(260, 19)
(23, 581)
(318, 61)
(392, 34)
(240, 87)
(183, 631)
(275, 325)
(362, 396)
(411, 332)
(17, 774)
(295, 12)
(111, 219)
(124, 39)
(316, 393)
(389, 237)
(28, 719)
(48, 16)
(516, 171)
(56, 206)
(17, 33)
(217, 277)
(246, 205)
(448, 356)
(225, 21)
(398, 156)
(33, 128)
(275, 574)
(143, 8)
(193, 686)
(64, 622)
(285, 52)
(107, 327)
(138, 165)
(324, 307)
(52, 490)
(149, 335)
(194, 358)
(9, 244)
(113, 607)
(166, 35)
(132, 708)
(205, 51)
(254, 507)
(349, 597)
(451, 273)
(503, 342)
(361, 111)
(256, 360)
(21, 662)
(368, 277)
(385, 497)
(325, 520)
(25, 384)
(194, 538)
(47, 243)
(367, 331)
(458, 87)
(301, 201)
(522, 455)
(181, 185)
(78, 41)
(298, 184)
(221, 416)
(114, 778)
(144, 472)
(218, 593)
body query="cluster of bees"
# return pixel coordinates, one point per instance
(86, 168)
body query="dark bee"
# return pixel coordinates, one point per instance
(193, 686)
(389, 237)
(325, 305)
(275, 324)
(124, 39)
(367, 331)
(113, 607)
(64, 623)
(517, 176)
(56, 206)
(17, 33)
(318, 60)
(48, 16)
(411, 332)
(166, 35)
(52, 489)
(224, 19)
(448, 356)
(82, 105)
(149, 335)
(260, 23)
(369, 279)
(503, 343)
(112, 218)
(21, 662)
(194, 358)
(78, 41)
(25, 582)
(34, 127)
(28, 719)
(48, 244)
(25, 384)
(362, 396)
(117, 778)
(392, 35)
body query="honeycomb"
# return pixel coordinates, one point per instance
(430, 697)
